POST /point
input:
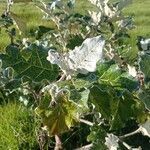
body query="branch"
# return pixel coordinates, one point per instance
(130, 134)
(127, 146)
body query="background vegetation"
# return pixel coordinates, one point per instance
(32, 16)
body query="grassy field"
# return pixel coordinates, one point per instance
(17, 127)
(33, 17)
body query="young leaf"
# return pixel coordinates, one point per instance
(112, 142)
(96, 17)
(145, 44)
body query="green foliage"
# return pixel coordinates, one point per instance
(144, 65)
(29, 62)
(115, 76)
(144, 95)
(60, 114)
(116, 102)
(93, 79)
(97, 136)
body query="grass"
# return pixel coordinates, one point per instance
(140, 10)
(17, 128)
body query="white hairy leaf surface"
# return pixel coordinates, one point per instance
(110, 12)
(96, 16)
(145, 44)
(104, 7)
(82, 59)
(132, 71)
(112, 142)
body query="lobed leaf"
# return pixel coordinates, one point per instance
(117, 109)
(36, 66)
(111, 74)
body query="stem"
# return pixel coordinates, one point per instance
(127, 135)
(58, 143)
(87, 122)
(62, 78)
(126, 145)
(130, 134)
(86, 147)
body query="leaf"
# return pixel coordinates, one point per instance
(36, 67)
(103, 67)
(125, 108)
(132, 71)
(82, 59)
(111, 76)
(8, 73)
(42, 30)
(144, 65)
(96, 17)
(144, 96)
(145, 128)
(101, 99)
(60, 118)
(114, 76)
(83, 102)
(112, 142)
(117, 107)
(145, 44)
(97, 137)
